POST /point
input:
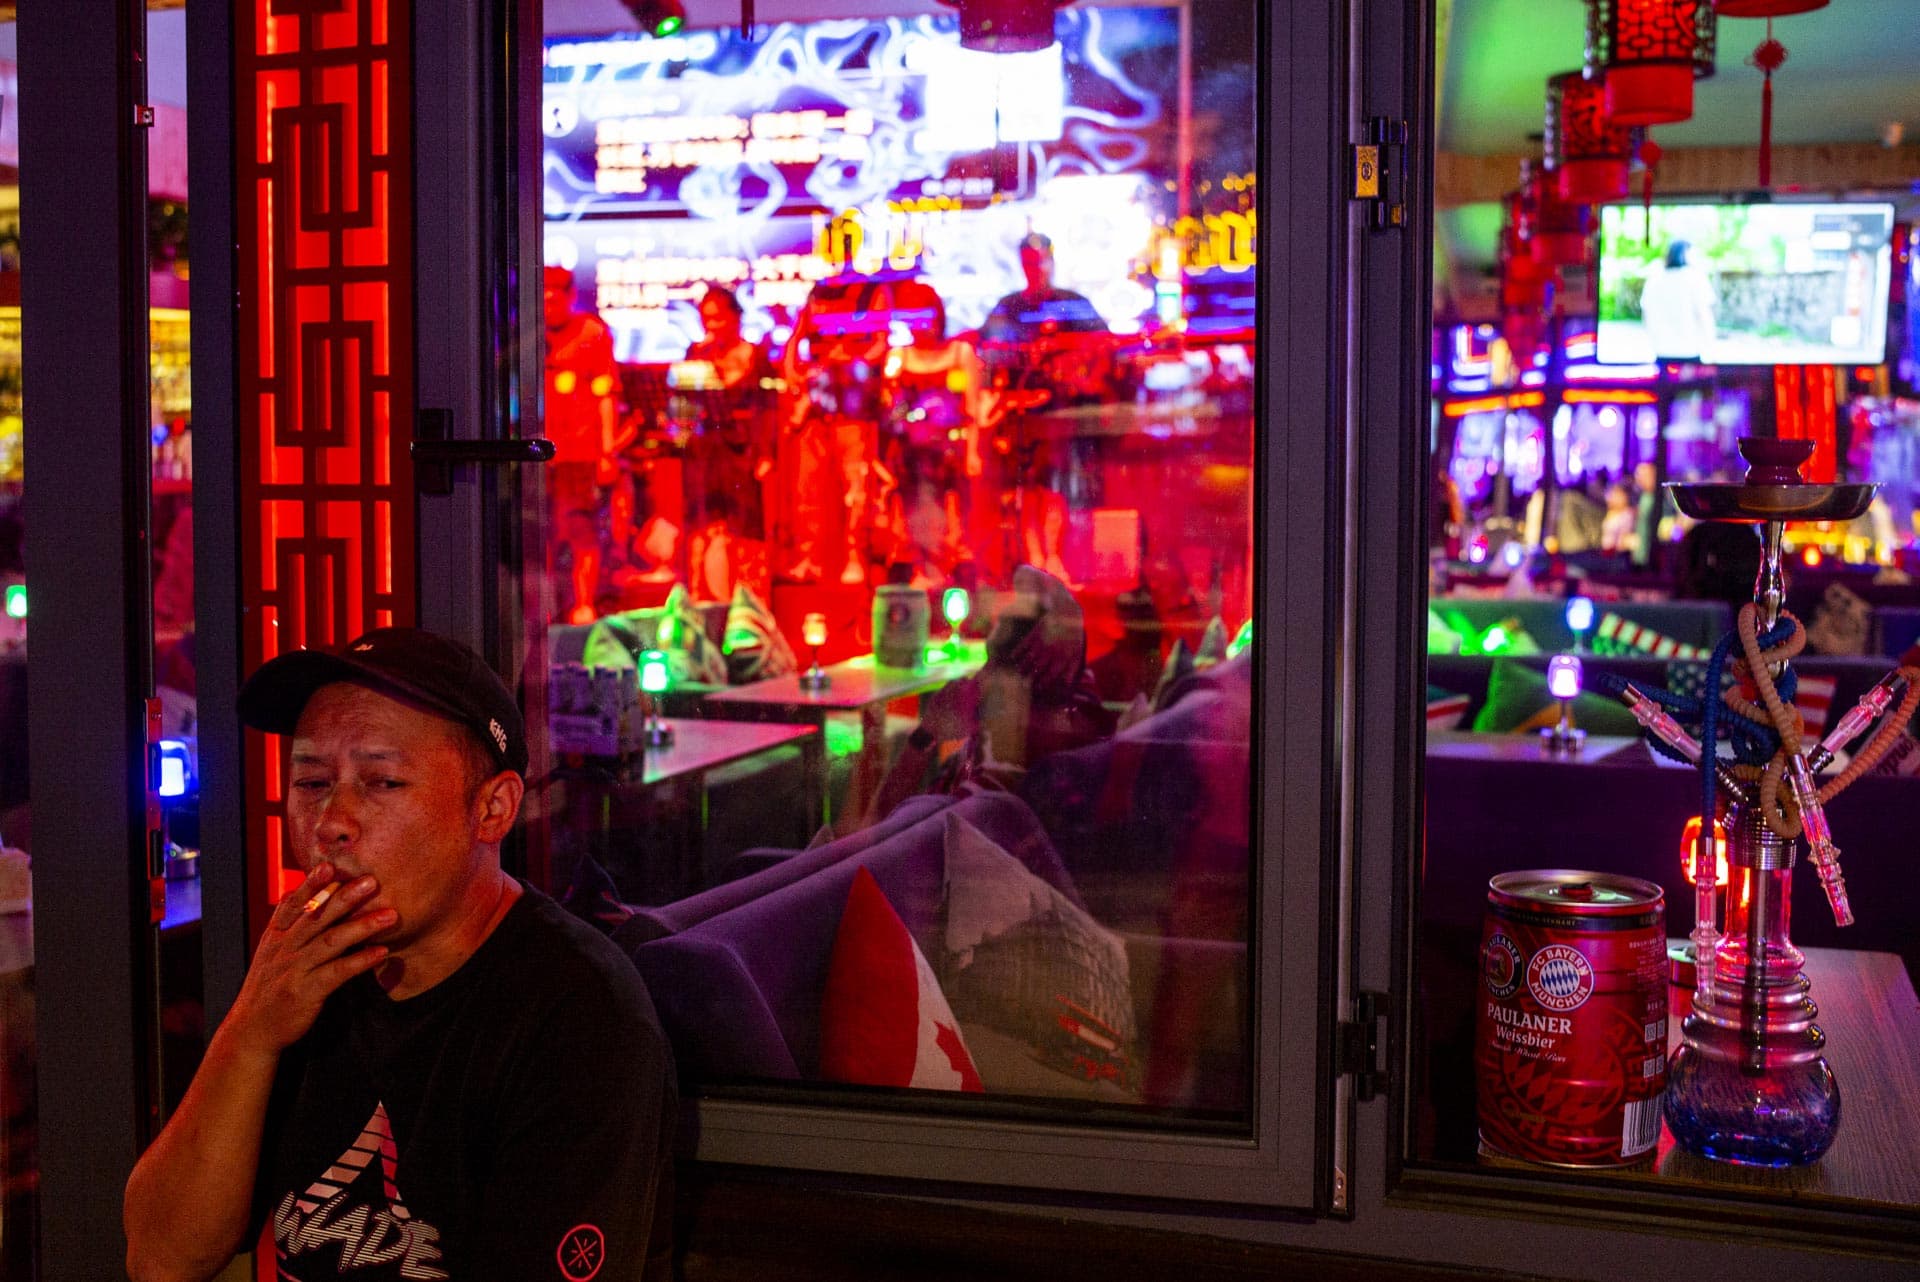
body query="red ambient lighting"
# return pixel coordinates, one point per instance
(1484, 404)
(1592, 396)
(323, 200)
(1650, 52)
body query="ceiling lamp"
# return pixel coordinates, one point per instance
(1587, 153)
(1556, 227)
(1006, 26)
(1650, 52)
(1767, 8)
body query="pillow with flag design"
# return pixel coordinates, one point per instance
(883, 1019)
(1617, 636)
(755, 648)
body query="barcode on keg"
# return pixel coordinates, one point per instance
(1641, 1129)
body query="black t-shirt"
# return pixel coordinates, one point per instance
(512, 1122)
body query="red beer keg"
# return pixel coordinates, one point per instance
(1571, 1026)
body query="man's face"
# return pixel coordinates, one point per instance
(556, 300)
(377, 787)
(718, 320)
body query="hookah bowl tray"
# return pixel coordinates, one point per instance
(1803, 502)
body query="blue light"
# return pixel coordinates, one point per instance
(1580, 613)
(176, 768)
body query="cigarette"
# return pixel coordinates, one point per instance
(319, 901)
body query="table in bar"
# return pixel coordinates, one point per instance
(698, 747)
(860, 686)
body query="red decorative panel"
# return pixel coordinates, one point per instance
(323, 222)
(1804, 409)
(1580, 134)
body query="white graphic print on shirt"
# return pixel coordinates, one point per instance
(328, 1214)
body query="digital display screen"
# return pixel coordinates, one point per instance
(876, 148)
(1745, 284)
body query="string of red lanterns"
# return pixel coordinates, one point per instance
(1649, 53)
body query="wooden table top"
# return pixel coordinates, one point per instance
(700, 744)
(1872, 1021)
(852, 685)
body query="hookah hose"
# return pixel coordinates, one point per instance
(1786, 821)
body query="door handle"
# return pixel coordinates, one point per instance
(435, 456)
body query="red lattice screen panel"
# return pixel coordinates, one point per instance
(323, 221)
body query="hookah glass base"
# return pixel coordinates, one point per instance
(1749, 1084)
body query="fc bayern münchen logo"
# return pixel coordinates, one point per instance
(1500, 963)
(1560, 978)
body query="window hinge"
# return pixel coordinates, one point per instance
(142, 115)
(1376, 171)
(1357, 1046)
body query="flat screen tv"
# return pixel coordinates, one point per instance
(1745, 284)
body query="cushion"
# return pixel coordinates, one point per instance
(1617, 636)
(1441, 639)
(1179, 666)
(1018, 957)
(1444, 709)
(1517, 693)
(1213, 643)
(883, 1018)
(755, 649)
(617, 640)
(593, 897)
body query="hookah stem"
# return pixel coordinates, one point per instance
(1753, 1005)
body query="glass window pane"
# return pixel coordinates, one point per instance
(895, 572)
(1625, 394)
(19, 1150)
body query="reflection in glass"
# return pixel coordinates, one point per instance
(905, 398)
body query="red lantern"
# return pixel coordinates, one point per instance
(1554, 230)
(1650, 53)
(1586, 152)
(1767, 8)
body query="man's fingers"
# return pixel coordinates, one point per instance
(288, 911)
(355, 930)
(336, 901)
(341, 969)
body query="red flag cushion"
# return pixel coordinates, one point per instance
(883, 1019)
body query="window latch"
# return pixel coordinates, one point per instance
(1376, 172)
(1357, 1046)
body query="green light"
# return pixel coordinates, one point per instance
(669, 24)
(16, 600)
(954, 606)
(1496, 641)
(1241, 640)
(653, 671)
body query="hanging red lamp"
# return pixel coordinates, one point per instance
(1586, 152)
(1526, 283)
(1767, 8)
(1557, 228)
(1650, 52)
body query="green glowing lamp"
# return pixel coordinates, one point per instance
(669, 24)
(16, 600)
(1496, 641)
(654, 679)
(1242, 640)
(955, 606)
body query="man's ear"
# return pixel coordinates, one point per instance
(498, 805)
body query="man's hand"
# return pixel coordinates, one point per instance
(308, 950)
(953, 711)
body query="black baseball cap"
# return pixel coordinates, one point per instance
(440, 675)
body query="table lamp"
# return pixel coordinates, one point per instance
(1564, 678)
(654, 678)
(1579, 620)
(955, 606)
(813, 631)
